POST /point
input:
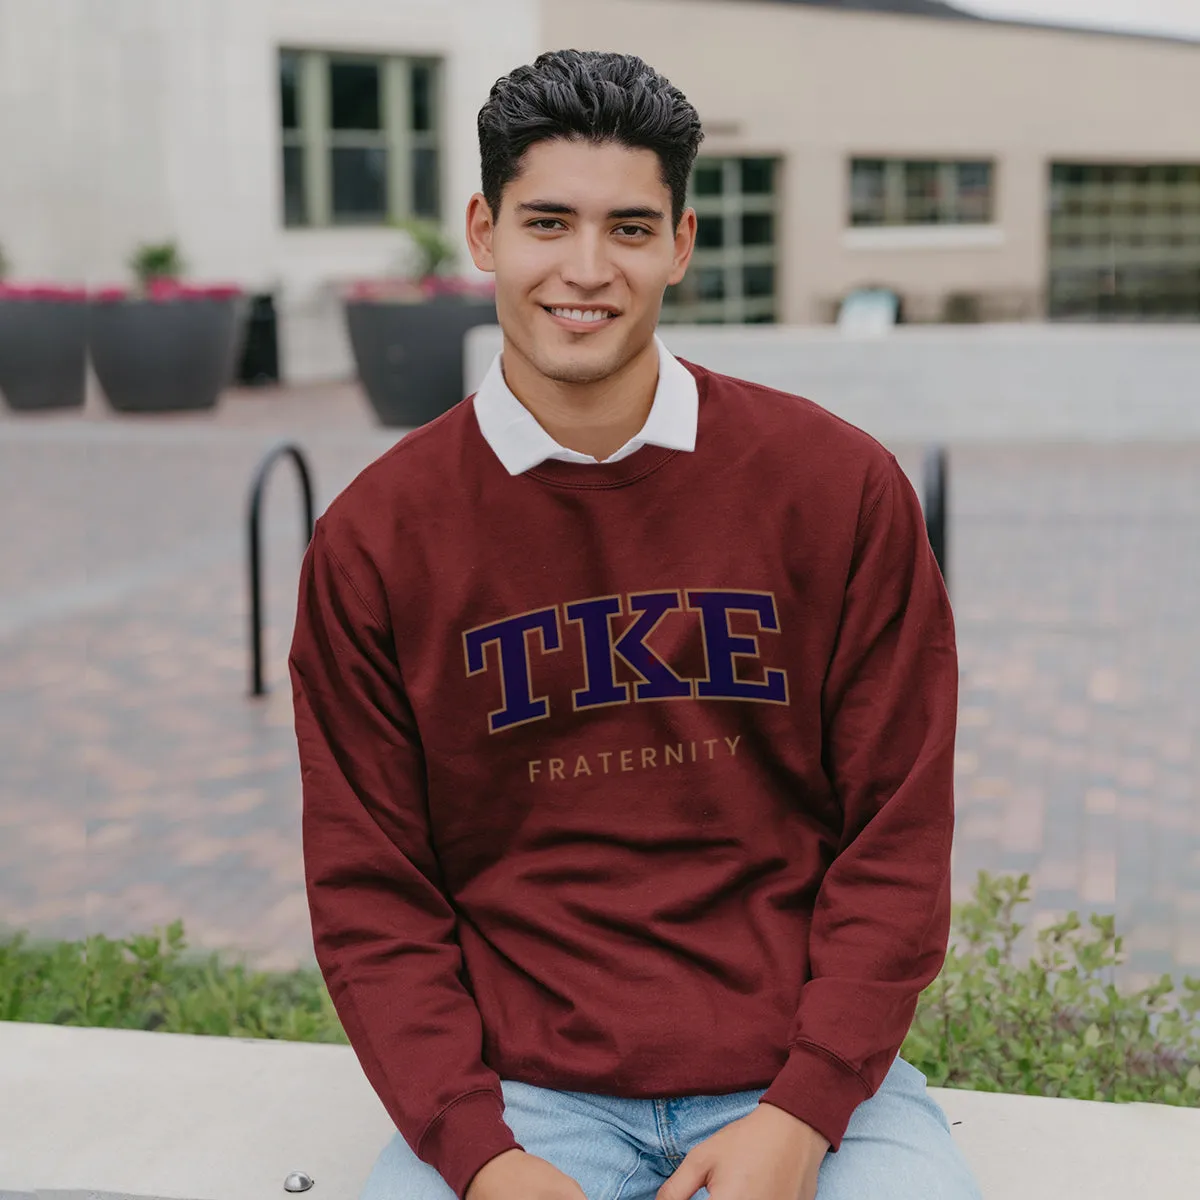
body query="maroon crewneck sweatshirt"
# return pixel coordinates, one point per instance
(634, 778)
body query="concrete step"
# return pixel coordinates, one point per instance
(110, 1114)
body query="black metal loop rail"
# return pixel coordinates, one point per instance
(254, 542)
(937, 483)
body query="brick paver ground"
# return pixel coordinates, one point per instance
(138, 782)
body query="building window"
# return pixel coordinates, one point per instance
(359, 138)
(732, 276)
(1124, 241)
(897, 191)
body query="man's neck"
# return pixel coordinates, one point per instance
(596, 419)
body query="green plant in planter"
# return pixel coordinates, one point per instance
(434, 248)
(4, 267)
(156, 260)
(1055, 1024)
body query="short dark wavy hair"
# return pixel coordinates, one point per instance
(587, 95)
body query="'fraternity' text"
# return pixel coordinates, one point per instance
(643, 758)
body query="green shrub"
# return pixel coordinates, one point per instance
(146, 982)
(1055, 1024)
(962, 308)
(4, 267)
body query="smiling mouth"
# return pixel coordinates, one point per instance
(587, 316)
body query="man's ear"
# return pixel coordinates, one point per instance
(685, 243)
(481, 228)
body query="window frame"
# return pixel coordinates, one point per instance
(733, 256)
(896, 206)
(316, 139)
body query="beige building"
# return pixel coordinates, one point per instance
(975, 167)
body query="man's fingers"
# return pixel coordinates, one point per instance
(689, 1177)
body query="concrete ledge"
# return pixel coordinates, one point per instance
(961, 384)
(104, 1113)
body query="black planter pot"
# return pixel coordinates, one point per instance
(410, 356)
(172, 355)
(43, 352)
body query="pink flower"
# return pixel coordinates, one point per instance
(415, 290)
(165, 290)
(55, 293)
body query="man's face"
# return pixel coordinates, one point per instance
(582, 251)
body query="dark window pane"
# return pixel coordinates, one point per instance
(422, 98)
(975, 192)
(359, 184)
(426, 192)
(708, 178)
(289, 90)
(710, 283)
(710, 232)
(354, 96)
(867, 202)
(758, 176)
(922, 193)
(763, 318)
(295, 205)
(758, 229)
(758, 279)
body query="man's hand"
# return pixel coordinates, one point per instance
(768, 1155)
(515, 1175)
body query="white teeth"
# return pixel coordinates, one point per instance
(578, 314)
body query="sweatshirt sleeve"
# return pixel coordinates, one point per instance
(383, 930)
(882, 913)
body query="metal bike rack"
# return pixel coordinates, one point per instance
(254, 543)
(937, 483)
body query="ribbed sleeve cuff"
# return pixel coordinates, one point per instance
(820, 1089)
(465, 1136)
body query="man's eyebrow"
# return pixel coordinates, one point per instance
(555, 208)
(640, 213)
(552, 207)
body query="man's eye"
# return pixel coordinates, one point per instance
(546, 223)
(633, 230)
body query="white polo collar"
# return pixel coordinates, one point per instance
(521, 444)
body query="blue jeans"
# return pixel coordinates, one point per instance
(897, 1147)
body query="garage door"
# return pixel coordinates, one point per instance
(1124, 241)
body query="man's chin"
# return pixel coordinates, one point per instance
(580, 370)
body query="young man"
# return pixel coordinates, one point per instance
(625, 697)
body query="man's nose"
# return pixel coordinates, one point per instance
(587, 265)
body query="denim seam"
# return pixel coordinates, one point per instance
(665, 1140)
(625, 1181)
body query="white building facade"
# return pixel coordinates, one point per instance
(977, 169)
(124, 122)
